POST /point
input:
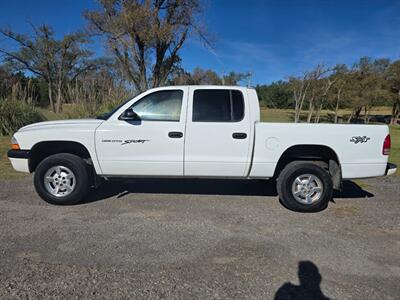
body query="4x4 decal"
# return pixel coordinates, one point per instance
(360, 139)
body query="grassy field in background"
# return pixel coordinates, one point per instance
(286, 115)
(395, 150)
(267, 115)
(6, 170)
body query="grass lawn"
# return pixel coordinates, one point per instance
(6, 170)
(267, 115)
(395, 150)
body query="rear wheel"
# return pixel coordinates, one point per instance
(305, 187)
(62, 179)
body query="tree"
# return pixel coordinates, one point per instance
(53, 60)
(97, 90)
(234, 78)
(320, 85)
(369, 85)
(300, 88)
(201, 76)
(145, 37)
(393, 81)
(6, 81)
(277, 94)
(341, 80)
(204, 77)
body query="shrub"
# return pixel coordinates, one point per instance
(88, 109)
(16, 114)
(76, 111)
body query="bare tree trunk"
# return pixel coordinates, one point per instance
(366, 113)
(300, 107)
(353, 113)
(395, 111)
(337, 106)
(357, 112)
(296, 113)
(50, 92)
(310, 110)
(59, 99)
(318, 113)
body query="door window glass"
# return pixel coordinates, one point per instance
(160, 106)
(217, 106)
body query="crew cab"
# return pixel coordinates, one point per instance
(201, 132)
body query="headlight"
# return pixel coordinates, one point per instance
(14, 144)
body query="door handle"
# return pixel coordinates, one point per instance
(175, 134)
(239, 135)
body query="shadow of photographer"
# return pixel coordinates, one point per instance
(309, 287)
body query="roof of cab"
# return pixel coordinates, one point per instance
(207, 86)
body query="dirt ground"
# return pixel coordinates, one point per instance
(200, 239)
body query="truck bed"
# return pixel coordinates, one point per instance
(358, 147)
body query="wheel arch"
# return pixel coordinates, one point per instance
(43, 149)
(322, 155)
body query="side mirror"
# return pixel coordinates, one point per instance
(129, 115)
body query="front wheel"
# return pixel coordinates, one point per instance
(62, 179)
(305, 187)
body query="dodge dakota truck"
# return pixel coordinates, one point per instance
(200, 132)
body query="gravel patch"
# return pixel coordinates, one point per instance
(185, 239)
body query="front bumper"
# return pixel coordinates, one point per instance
(18, 153)
(390, 169)
(19, 160)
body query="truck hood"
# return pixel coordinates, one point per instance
(61, 124)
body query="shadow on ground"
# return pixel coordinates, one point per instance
(228, 187)
(309, 287)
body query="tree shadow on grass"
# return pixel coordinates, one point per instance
(227, 187)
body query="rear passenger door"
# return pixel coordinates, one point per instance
(217, 133)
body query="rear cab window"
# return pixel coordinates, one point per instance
(218, 105)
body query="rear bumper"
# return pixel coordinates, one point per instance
(19, 160)
(390, 169)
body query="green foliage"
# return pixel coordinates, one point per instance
(201, 76)
(84, 110)
(7, 171)
(276, 95)
(395, 149)
(109, 105)
(76, 111)
(16, 114)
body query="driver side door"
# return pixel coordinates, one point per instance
(152, 145)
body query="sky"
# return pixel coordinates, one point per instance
(271, 39)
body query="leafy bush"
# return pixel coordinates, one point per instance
(89, 109)
(110, 105)
(16, 114)
(76, 111)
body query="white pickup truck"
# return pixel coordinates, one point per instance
(202, 132)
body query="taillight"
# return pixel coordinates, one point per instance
(386, 145)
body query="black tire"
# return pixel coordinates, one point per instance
(79, 169)
(286, 180)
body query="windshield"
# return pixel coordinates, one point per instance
(107, 115)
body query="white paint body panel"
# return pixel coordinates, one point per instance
(158, 155)
(207, 149)
(210, 149)
(80, 131)
(357, 160)
(20, 164)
